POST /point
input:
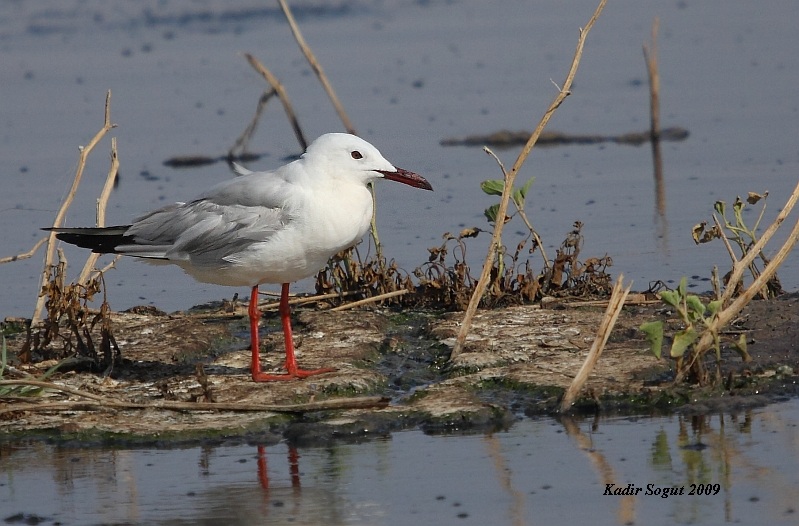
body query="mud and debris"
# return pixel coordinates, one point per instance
(518, 361)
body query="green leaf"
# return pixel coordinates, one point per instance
(720, 207)
(517, 197)
(524, 189)
(491, 213)
(654, 335)
(683, 340)
(713, 307)
(493, 186)
(671, 297)
(519, 194)
(695, 305)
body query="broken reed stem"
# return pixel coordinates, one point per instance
(317, 68)
(242, 143)
(59, 219)
(99, 402)
(332, 295)
(493, 248)
(102, 203)
(651, 60)
(281, 93)
(301, 300)
(373, 299)
(25, 255)
(617, 299)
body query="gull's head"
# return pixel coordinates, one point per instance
(346, 156)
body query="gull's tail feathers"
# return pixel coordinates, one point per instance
(107, 240)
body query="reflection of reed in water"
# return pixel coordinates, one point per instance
(626, 511)
(655, 134)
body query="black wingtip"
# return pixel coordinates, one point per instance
(100, 240)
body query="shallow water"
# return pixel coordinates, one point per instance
(537, 472)
(409, 74)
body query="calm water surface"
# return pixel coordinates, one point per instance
(537, 472)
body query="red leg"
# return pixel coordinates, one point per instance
(255, 317)
(293, 371)
(294, 467)
(263, 474)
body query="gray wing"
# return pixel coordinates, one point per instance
(220, 223)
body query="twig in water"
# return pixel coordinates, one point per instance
(25, 255)
(281, 93)
(309, 56)
(240, 147)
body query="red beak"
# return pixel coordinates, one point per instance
(406, 177)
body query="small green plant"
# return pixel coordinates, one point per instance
(496, 187)
(8, 391)
(740, 234)
(696, 317)
(518, 196)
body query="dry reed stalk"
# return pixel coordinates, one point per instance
(615, 305)
(493, 248)
(281, 93)
(651, 60)
(59, 219)
(102, 203)
(317, 68)
(24, 255)
(301, 300)
(241, 145)
(373, 299)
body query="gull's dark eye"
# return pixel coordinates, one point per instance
(356, 154)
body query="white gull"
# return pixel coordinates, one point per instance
(262, 227)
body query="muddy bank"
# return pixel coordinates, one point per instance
(519, 360)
